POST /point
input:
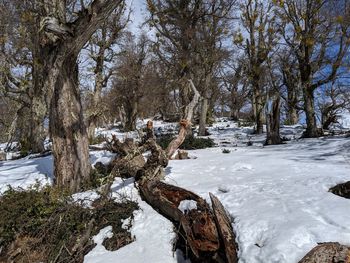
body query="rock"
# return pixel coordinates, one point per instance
(331, 252)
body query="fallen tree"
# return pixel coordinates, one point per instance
(204, 233)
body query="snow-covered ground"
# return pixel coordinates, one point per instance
(277, 196)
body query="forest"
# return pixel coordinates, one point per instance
(172, 131)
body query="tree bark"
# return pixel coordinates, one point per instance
(258, 109)
(273, 123)
(131, 110)
(309, 108)
(293, 116)
(203, 117)
(67, 128)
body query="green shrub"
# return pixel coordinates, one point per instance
(226, 151)
(190, 143)
(51, 221)
(97, 139)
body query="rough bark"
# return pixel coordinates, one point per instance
(67, 127)
(204, 107)
(185, 123)
(309, 108)
(68, 132)
(131, 116)
(273, 123)
(203, 117)
(258, 108)
(226, 233)
(328, 253)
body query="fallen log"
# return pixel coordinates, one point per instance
(224, 226)
(204, 234)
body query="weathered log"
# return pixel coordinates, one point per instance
(328, 253)
(225, 230)
(197, 226)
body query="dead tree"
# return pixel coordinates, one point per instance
(205, 232)
(184, 123)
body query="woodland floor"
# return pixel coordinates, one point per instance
(277, 195)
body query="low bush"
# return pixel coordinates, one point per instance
(47, 226)
(190, 143)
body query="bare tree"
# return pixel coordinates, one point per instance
(258, 20)
(129, 81)
(316, 32)
(334, 101)
(102, 51)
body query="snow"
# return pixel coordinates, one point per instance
(277, 196)
(153, 234)
(187, 205)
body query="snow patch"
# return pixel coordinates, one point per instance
(187, 205)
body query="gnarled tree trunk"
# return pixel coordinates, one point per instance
(309, 108)
(67, 128)
(205, 234)
(273, 122)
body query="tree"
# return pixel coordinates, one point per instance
(102, 51)
(316, 32)
(291, 81)
(332, 103)
(129, 83)
(61, 38)
(22, 73)
(259, 23)
(190, 35)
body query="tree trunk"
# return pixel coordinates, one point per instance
(311, 126)
(258, 109)
(131, 116)
(234, 114)
(203, 117)
(38, 113)
(67, 129)
(292, 116)
(273, 123)
(204, 107)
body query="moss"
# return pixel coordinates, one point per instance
(52, 221)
